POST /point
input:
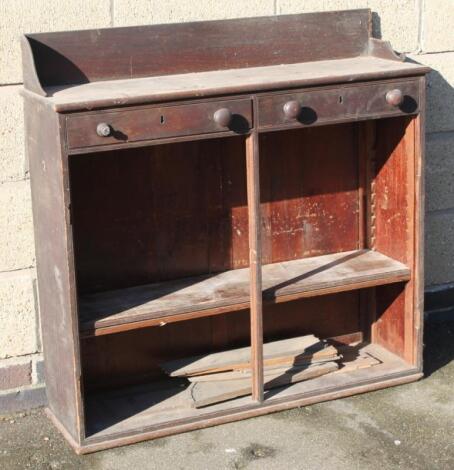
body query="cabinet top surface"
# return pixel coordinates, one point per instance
(205, 84)
(82, 70)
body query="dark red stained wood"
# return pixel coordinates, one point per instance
(347, 102)
(395, 230)
(326, 316)
(160, 122)
(309, 192)
(164, 212)
(132, 52)
(394, 188)
(159, 213)
(143, 350)
(389, 328)
(363, 156)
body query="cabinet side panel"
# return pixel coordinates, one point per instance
(395, 211)
(54, 260)
(417, 333)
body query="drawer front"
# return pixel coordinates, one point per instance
(151, 123)
(337, 104)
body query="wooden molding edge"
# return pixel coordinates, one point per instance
(31, 80)
(383, 50)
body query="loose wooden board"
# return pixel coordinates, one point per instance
(267, 372)
(360, 362)
(320, 356)
(208, 393)
(324, 355)
(238, 358)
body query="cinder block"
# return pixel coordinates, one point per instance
(440, 90)
(12, 165)
(17, 314)
(16, 226)
(128, 13)
(437, 24)
(15, 372)
(25, 399)
(31, 16)
(38, 369)
(395, 21)
(440, 171)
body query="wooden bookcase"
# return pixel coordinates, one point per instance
(203, 186)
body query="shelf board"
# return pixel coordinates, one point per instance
(152, 304)
(120, 413)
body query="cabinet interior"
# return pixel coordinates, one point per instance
(151, 223)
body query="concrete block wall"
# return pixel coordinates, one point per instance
(420, 28)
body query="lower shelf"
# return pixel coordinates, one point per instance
(138, 410)
(119, 310)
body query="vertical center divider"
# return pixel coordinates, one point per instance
(255, 257)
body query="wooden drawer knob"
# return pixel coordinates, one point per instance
(394, 97)
(292, 109)
(103, 129)
(223, 117)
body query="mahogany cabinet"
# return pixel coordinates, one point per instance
(203, 186)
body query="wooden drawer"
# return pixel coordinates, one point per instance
(351, 102)
(158, 123)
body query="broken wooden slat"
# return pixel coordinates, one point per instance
(285, 361)
(324, 355)
(237, 358)
(246, 373)
(208, 393)
(360, 362)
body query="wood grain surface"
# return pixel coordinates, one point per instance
(157, 50)
(345, 271)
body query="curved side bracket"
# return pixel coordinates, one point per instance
(31, 80)
(384, 50)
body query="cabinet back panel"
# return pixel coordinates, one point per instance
(158, 213)
(309, 191)
(165, 212)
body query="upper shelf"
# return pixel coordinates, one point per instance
(118, 66)
(113, 311)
